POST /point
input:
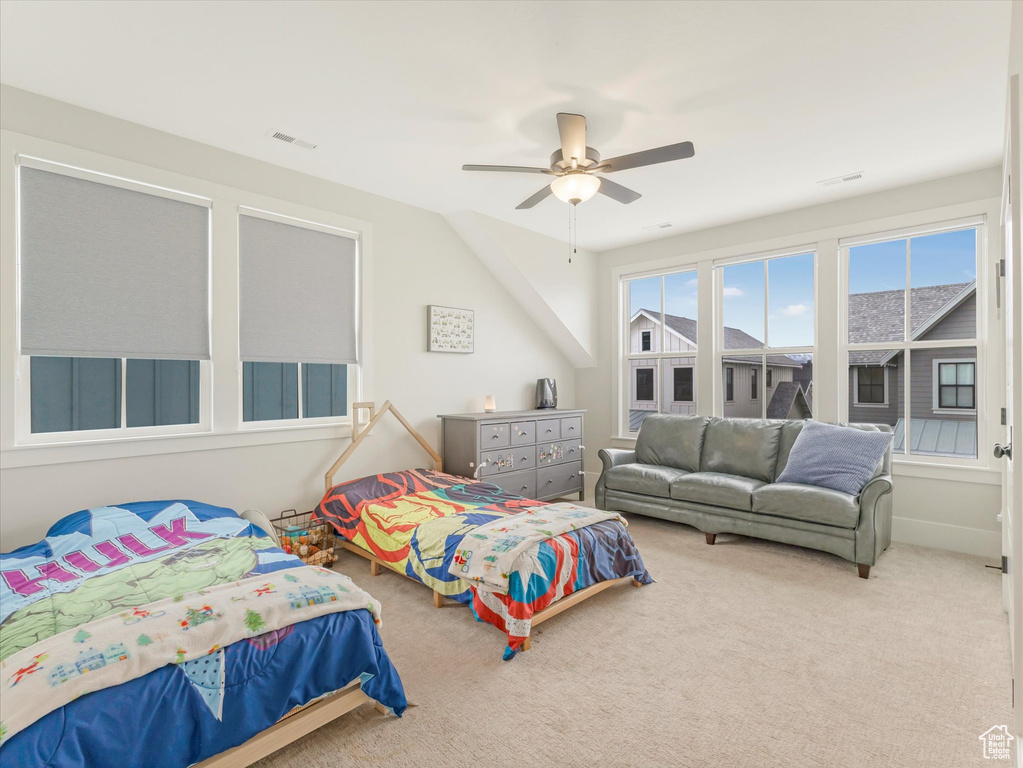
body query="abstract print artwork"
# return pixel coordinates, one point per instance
(450, 329)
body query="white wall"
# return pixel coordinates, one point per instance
(954, 509)
(418, 260)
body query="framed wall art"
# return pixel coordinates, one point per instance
(450, 329)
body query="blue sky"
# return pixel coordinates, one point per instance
(947, 257)
(679, 294)
(790, 305)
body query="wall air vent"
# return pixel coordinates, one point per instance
(289, 139)
(662, 225)
(841, 179)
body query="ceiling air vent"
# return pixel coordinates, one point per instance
(662, 225)
(841, 179)
(289, 139)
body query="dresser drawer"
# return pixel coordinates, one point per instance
(559, 480)
(558, 452)
(520, 483)
(523, 432)
(571, 426)
(508, 460)
(548, 429)
(494, 436)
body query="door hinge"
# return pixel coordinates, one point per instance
(1004, 417)
(1005, 564)
(1001, 268)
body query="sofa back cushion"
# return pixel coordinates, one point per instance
(745, 447)
(837, 457)
(790, 431)
(671, 441)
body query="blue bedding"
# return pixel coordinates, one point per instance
(166, 719)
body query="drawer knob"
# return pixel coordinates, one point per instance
(549, 482)
(571, 476)
(494, 437)
(525, 487)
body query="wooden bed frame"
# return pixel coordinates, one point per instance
(294, 725)
(375, 562)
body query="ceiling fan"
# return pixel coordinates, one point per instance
(576, 164)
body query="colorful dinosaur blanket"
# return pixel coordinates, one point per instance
(190, 629)
(487, 555)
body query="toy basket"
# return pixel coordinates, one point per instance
(311, 540)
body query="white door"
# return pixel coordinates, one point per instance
(1012, 523)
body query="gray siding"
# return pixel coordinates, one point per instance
(921, 401)
(960, 323)
(874, 414)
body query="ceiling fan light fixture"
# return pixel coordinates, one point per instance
(575, 188)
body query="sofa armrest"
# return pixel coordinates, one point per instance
(874, 530)
(612, 457)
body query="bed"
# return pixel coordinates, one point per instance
(414, 522)
(265, 648)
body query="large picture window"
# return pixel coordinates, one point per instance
(766, 334)
(661, 358)
(911, 317)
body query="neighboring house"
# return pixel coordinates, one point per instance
(741, 377)
(944, 382)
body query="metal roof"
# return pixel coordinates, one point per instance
(933, 437)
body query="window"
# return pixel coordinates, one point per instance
(766, 332)
(114, 323)
(644, 383)
(298, 321)
(683, 384)
(955, 382)
(661, 328)
(870, 385)
(911, 320)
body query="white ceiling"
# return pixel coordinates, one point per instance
(775, 95)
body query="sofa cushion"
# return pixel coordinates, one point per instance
(809, 503)
(716, 489)
(790, 431)
(743, 447)
(671, 441)
(841, 458)
(647, 479)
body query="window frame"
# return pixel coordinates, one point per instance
(768, 378)
(856, 389)
(221, 403)
(754, 383)
(979, 223)
(936, 385)
(645, 341)
(729, 391)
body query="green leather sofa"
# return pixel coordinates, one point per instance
(718, 476)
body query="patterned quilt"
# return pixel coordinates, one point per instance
(92, 598)
(415, 521)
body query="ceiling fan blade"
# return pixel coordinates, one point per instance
(618, 192)
(572, 129)
(649, 157)
(530, 202)
(505, 168)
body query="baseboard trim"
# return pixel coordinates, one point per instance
(957, 538)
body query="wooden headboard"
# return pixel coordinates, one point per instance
(358, 435)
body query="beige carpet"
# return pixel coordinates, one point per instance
(746, 653)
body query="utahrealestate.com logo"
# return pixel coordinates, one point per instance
(997, 743)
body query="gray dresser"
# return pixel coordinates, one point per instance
(536, 454)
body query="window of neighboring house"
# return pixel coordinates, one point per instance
(114, 322)
(766, 319)
(645, 384)
(298, 323)
(659, 321)
(683, 385)
(870, 386)
(955, 381)
(911, 314)
(729, 384)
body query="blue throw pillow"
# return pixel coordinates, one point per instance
(840, 458)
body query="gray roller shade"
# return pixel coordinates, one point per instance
(111, 272)
(297, 294)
